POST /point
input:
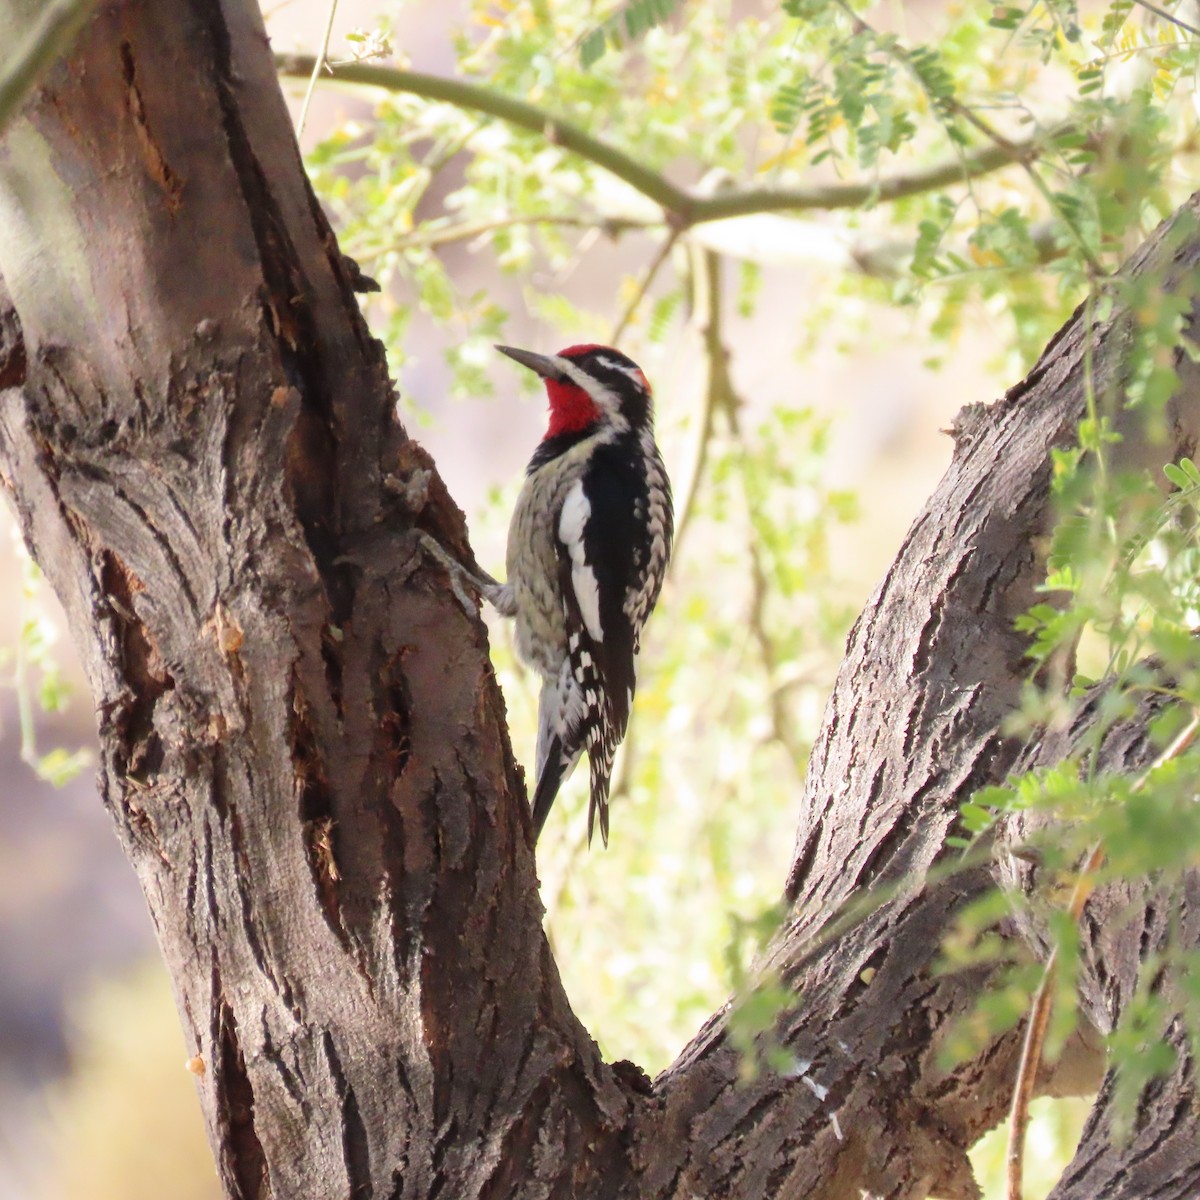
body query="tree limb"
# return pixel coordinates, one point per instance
(913, 729)
(686, 208)
(304, 748)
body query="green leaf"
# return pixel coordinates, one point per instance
(1178, 476)
(592, 48)
(60, 766)
(636, 19)
(1004, 16)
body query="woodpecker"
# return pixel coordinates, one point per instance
(588, 547)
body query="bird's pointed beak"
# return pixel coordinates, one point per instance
(546, 366)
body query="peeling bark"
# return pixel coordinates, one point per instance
(304, 750)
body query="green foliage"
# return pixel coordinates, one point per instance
(634, 20)
(759, 998)
(1123, 601)
(32, 670)
(764, 101)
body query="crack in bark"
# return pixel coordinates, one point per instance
(312, 447)
(315, 807)
(156, 162)
(244, 1162)
(12, 345)
(139, 754)
(356, 1149)
(272, 1055)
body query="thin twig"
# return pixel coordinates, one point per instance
(644, 286)
(1042, 1003)
(966, 113)
(1166, 16)
(1035, 1036)
(318, 67)
(1039, 183)
(781, 721)
(705, 289)
(721, 394)
(899, 54)
(465, 231)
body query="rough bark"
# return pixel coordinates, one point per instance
(1153, 1151)
(304, 749)
(303, 746)
(932, 667)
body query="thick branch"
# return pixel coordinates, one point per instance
(933, 667)
(303, 745)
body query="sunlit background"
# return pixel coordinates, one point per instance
(843, 391)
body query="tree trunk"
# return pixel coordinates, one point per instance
(304, 749)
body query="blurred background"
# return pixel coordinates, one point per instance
(853, 338)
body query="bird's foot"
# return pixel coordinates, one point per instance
(455, 570)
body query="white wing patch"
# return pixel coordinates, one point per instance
(572, 521)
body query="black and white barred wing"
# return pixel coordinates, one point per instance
(654, 520)
(595, 695)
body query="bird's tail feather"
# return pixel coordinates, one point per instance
(555, 768)
(598, 805)
(601, 775)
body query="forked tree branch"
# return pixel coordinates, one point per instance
(303, 744)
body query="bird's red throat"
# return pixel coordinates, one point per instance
(571, 408)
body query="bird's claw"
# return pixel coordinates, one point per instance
(454, 569)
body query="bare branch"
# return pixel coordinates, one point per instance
(318, 66)
(685, 207)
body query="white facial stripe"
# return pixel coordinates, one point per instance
(572, 521)
(634, 373)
